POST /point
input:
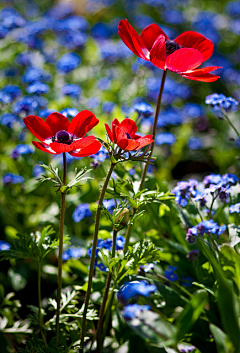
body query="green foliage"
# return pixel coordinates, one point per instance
(34, 246)
(36, 345)
(56, 179)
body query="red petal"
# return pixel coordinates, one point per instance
(38, 127)
(202, 78)
(43, 147)
(128, 126)
(82, 123)
(203, 70)
(144, 141)
(183, 60)
(132, 40)
(82, 143)
(109, 132)
(196, 41)
(60, 147)
(114, 123)
(118, 134)
(158, 53)
(150, 34)
(136, 137)
(128, 145)
(87, 151)
(57, 122)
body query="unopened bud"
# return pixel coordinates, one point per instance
(123, 217)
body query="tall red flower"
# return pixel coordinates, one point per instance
(182, 55)
(58, 135)
(124, 135)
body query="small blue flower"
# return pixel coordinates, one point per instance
(233, 8)
(93, 102)
(68, 62)
(8, 119)
(69, 112)
(184, 191)
(169, 273)
(4, 245)
(165, 138)
(9, 93)
(36, 74)
(132, 310)
(147, 267)
(22, 149)
(101, 155)
(234, 208)
(104, 83)
(101, 266)
(28, 105)
(37, 170)
(73, 252)
(37, 88)
(174, 17)
(107, 107)
(143, 109)
(71, 90)
(110, 204)
(132, 289)
(220, 101)
(204, 227)
(82, 211)
(195, 143)
(45, 112)
(25, 58)
(10, 178)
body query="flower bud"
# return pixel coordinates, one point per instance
(123, 217)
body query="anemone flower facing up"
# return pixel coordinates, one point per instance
(58, 135)
(182, 55)
(124, 135)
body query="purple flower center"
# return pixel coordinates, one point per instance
(63, 137)
(128, 136)
(171, 46)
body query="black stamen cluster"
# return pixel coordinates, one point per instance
(171, 46)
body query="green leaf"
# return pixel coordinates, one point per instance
(230, 262)
(171, 297)
(220, 339)
(191, 313)
(152, 327)
(228, 302)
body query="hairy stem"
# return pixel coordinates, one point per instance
(61, 226)
(144, 173)
(39, 304)
(154, 129)
(94, 247)
(230, 123)
(105, 297)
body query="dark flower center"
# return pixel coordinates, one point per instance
(63, 137)
(171, 46)
(128, 136)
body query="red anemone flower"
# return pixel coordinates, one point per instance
(124, 135)
(58, 135)
(181, 55)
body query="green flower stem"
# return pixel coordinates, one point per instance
(230, 123)
(154, 129)
(105, 297)
(39, 304)
(61, 226)
(94, 247)
(144, 173)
